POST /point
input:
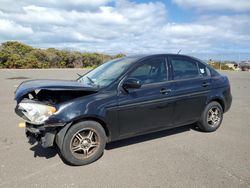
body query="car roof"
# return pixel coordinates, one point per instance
(142, 56)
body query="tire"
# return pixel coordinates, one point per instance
(83, 143)
(209, 121)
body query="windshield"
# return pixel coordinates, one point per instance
(106, 73)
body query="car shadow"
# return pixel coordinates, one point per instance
(47, 153)
(150, 136)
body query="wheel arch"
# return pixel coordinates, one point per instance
(98, 120)
(219, 100)
(61, 134)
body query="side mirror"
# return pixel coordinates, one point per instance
(131, 83)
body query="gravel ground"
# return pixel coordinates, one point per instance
(180, 157)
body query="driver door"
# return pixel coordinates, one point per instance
(149, 107)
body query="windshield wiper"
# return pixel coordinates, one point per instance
(79, 76)
(91, 80)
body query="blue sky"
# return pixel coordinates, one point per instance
(208, 29)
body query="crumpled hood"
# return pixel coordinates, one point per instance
(32, 85)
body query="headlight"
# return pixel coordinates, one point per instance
(36, 113)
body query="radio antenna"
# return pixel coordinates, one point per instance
(179, 51)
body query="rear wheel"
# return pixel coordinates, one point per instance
(211, 117)
(84, 143)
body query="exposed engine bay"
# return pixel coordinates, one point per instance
(52, 97)
(37, 100)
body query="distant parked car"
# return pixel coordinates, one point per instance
(122, 98)
(245, 66)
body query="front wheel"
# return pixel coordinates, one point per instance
(211, 117)
(83, 143)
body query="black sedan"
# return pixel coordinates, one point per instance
(122, 98)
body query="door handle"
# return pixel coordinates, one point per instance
(205, 84)
(165, 91)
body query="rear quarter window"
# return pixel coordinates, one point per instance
(203, 70)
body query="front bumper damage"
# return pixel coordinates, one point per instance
(45, 135)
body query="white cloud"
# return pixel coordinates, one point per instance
(123, 26)
(16, 6)
(189, 30)
(124, 21)
(235, 5)
(10, 30)
(209, 33)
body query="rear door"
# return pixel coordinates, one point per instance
(190, 89)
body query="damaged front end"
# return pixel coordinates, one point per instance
(39, 100)
(35, 113)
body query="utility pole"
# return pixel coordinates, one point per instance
(221, 60)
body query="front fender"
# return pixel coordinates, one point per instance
(60, 135)
(86, 106)
(101, 107)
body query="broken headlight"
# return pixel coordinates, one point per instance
(36, 113)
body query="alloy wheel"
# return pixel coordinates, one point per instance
(84, 143)
(214, 116)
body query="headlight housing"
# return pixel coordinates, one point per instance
(36, 113)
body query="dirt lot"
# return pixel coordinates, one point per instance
(181, 157)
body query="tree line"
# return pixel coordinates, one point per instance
(17, 55)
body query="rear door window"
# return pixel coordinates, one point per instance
(184, 68)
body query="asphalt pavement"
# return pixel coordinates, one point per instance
(181, 157)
